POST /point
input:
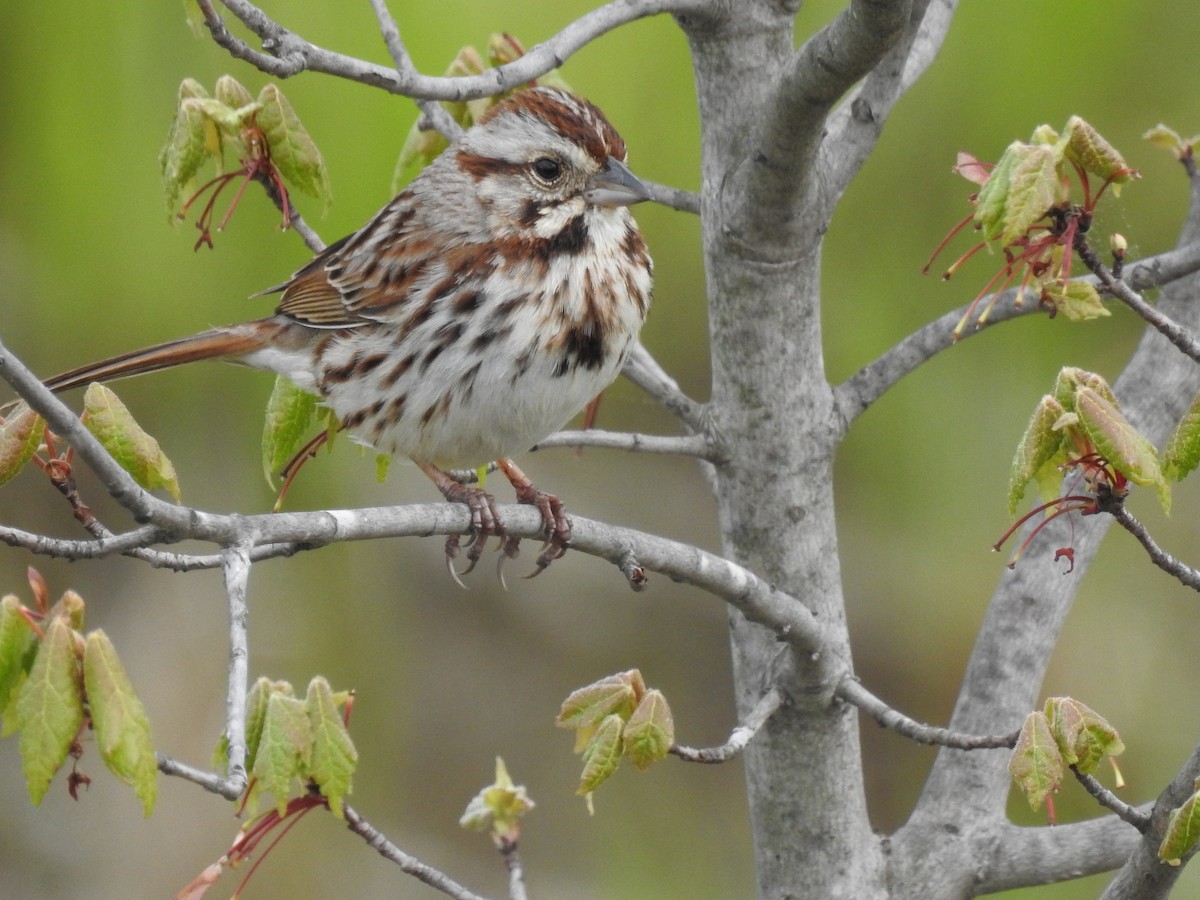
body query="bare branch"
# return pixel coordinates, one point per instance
(634, 442)
(643, 370)
(285, 54)
(237, 575)
(684, 201)
(740, 736)
(1106, 798)
(860, 390)
(1160, 557)
(409, 864)
(852, 691)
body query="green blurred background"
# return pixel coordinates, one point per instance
(447, 679)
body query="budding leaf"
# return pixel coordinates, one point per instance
(1183, 832)
(1036, 763)
(1078, 301)
(49, 708)
(1040, 445)
(1182, 452)
(333, 758)
(290, 414)
(586, 707)
(119, 718)
(1083, 736)
(283, 750)
(20, 435)
(134, 450)
(292, 148)
(602, 754)
(1119, 443)
(499, 806)
(970, 168)
(650, 731)
(1166, 138)
(1096, 155)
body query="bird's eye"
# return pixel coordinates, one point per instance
(547, 169)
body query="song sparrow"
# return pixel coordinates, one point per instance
(475, 314)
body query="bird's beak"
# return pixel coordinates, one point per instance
(615, 185)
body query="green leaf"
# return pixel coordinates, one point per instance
(231, 92)
(119, 718)
(992, 201)
(1119, 443)
(256, 712)
(292, 148)
(1096, 155)
(1166, 138)
(650, 731)
(602, 754)
(1078, 301)
(1183, 832)
(17, 639)
(499, 806)
(1040, 445)
(134, 450)
(290, 414)
(333, 757)
(1083, 736)
(284, 749)
(50, 708)
(20, 435)
(1033, 189)
(1036, 764)
(586, 707)
(1182, 453)
(191, 139)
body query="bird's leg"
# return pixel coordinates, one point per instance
(485, 520)
(557, 525)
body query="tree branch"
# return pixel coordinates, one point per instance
(680, 445)
(1106, 798)
(775, 179)
(1184, 573)
(852, 691)
(643, 370)
(855, 126)
(286, 54)
(738, 738)
(409, 864)
(871, 382)
(236, 568)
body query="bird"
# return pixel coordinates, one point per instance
(485, 305)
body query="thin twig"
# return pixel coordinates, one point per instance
(1160, 557)
(516, 871)
(675, 198)
(409, 864)
(210, 781)
(852, 691)
(435, 114)
(1181, 337)
(1106, 798)
(739, 737)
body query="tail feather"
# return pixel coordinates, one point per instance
(214, 344)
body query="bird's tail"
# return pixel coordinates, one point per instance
(215, 344)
